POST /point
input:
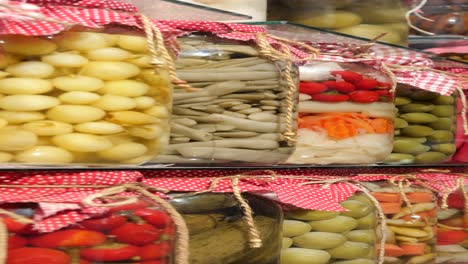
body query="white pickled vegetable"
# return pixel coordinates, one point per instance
(21, 117)
(78, 97)
(146, 132)
(24, 86)
(65, 59)
(100, 128)
(111, 102)
(158, 111)
(131, 118)
(128, 88)
(141, 60)
(31, 69)
(133, 43)
(110, 70)
(81, 41)
(318, 71)
(26, 45)
(75, 113)
(304, 256)
(81, 142)
(48, 128)
(78, 83)
(108, 54)
(28, 102)
(44, 155)
(123, 151)
(15, 139)
(144, 102)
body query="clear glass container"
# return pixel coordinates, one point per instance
(442, 20)
(218, 234)
(81, 98)
(138, 231)
(256, 9)
(367, 19)
(410, 238)
(346, 114)
(236, 111)
(425, 127)
(323, 237)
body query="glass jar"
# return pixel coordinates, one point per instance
(442, 20)
(254, 8)
(346, 114)
(452, 242)
(424, 128)
(238, 111)
(218, 234)
(323, 237)
(137, 231)
(410, 238)
(81, 98)
(367, 19)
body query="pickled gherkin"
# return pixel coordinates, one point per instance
(424, 128)
(332, 237)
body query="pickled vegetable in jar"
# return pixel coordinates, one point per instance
(322, 237)
(411, 238)
(424, 128)
(81, 98)
(139, 231)
(237, 111)
(218, 233)
(346, 115)
(367, 19)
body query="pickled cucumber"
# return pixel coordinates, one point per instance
(442, 123)
(356, 209)
(423, 95)
(446, 148)
(408, 146)
(416, 107)
(430, 157)
(311, 215)
(337, 224)
(441, 136)
(417, 139)
(444, 100)
(417, 131)
(398, 158)
(367, 222)
(350, 250)
(202, 203)
(286, 242)
(419, 118)
(399, 100)
(319, 240)
(400, 123)
(443, 110)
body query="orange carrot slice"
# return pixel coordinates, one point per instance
(381, 125)
(420, 197)
(453, 222)
(360, 124)
(390, 208)
(450, 237)
(413, 248)
(387, 197)
(392, 250)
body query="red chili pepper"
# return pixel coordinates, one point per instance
(366, 84)
(451, 237)
(30, 255)
(13, 226)
(15, 241)
(364, 96)
(456, 200)
(157, 218)
(128, 207)
(155, 251)
(330, 84)
(349, 76)
(330, 97)
(109, 252)
(344, 87)
(69, 238)
(312, 88)
(136, 234)
(384, 85)
(104, 223)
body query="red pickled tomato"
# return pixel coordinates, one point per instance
(311, 88)
(13, 226)
(366, 84)
(69, 238)
(104, 223)
(16, 241)
(344, 87)
(111, 252)
(157, 218)
(349, 76)
(155, 251)
(136, 234)
(30, 255)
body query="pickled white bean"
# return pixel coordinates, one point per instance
(26, 45)
(100, 128)
(81, 41)
(31, 69)
(141, 60)
(78, 83)
(21, 117)
(123, 151)
(5, 157)
(108, 54)
(48, 128)
(133, 43)
(44, 155)
(111, 102)
(144, 102)
(74, 113)
(146, 131)
(78, 97)
(110, 70)
(65, 59)
(24, 86)
(15, 139)
(81, 142)
(28, 102)
(128, 88)
(131, 118)
(158, 111)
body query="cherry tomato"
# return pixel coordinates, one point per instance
(109, 252)
(69, 238)
(13, 226)
(30, 255)
(16, 241)
(104, 223)
(155, 251)
(136, 234)
(159, 219)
